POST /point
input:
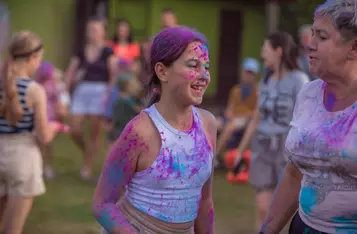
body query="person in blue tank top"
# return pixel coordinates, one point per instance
(163, 158)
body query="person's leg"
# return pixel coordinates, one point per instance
(227, 132)
(61, 112)
(263, 199)
(47, 153)
(262, 177)
(95, 125)
(79, 109)
(77, 133)
(95, 113)
(16, 213)
(24, 181)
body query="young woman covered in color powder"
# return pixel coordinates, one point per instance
(164, 155)
(90, 76)
(270, 123)
(320, 180)
(45, 75)
(23, 109)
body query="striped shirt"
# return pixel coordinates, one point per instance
(26, 122)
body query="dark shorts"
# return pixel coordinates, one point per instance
(297, 226)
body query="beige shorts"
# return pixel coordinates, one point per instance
(146, 224)
(20, 166)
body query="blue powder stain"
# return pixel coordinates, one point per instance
(354, 106)
(115, 173)
(345, 219)
(308, 199)
(182, 167)
(105, 220)
(164, 218)
(175, 166)
(344, 231)
(345, 155)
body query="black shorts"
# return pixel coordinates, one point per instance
(297, 226)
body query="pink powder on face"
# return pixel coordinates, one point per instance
(201, 54)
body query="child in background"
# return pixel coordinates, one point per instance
(46, 76)
(127, 105)
(124, 69)
(64, 97)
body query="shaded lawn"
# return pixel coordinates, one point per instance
(65, 208)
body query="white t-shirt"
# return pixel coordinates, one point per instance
(323, 146)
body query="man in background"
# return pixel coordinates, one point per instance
(304, 38)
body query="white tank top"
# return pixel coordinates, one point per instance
(170, 189)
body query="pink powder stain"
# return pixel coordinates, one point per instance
(194, 171)
(336, 132)
(201, 52)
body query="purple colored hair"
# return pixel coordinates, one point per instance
(167, 46)
(44, 72)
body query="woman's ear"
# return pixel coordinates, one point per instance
(352, 54)
(161, 72)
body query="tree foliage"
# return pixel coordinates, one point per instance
(293, 15)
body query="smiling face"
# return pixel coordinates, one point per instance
(328, 51)
(188, 77)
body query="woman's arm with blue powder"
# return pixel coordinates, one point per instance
(118, 170)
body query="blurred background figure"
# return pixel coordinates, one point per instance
(23, 109)
(56, 110)
(269, 125)
(168, 18)
(4, 28)
(90, 77)
(125, 72)
(305, 36)
(123, 44)
(240, 108)
(127, 105)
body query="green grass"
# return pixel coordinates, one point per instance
(65, 208)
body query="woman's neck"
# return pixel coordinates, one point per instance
(20, 70)
(342, 87)
(179, 117)
(123, 42)
(96, 45)
(279, 72)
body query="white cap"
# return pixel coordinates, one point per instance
(251, 64)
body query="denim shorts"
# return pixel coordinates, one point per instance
(89, 98)
(267, 161)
